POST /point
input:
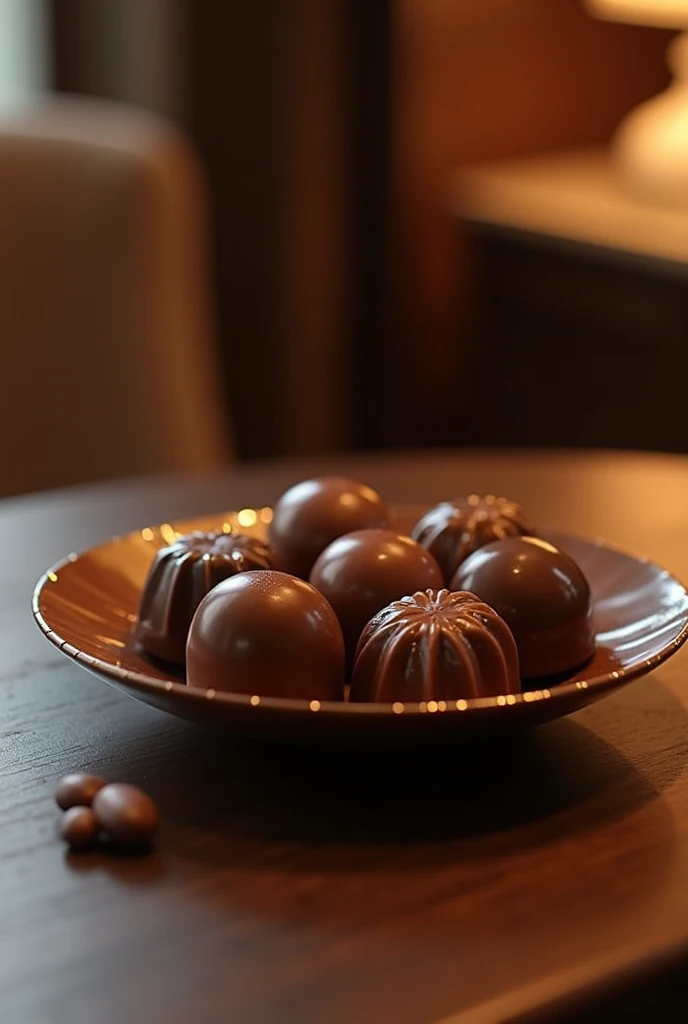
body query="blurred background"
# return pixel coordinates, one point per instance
(272, 228)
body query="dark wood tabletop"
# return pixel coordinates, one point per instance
(534, 878)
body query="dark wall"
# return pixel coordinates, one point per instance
(288, 106)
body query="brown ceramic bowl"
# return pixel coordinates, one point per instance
(86, 606)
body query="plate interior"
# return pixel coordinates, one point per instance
(87, 606)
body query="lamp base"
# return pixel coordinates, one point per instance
(650, 146)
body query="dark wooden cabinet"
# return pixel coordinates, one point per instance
(575, 345)
(578, 320)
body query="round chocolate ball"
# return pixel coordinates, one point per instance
(181, 575)
(453, 530)
(77, 790)
(363, 571)
(268, 634)
(438, 646)
(79, 827)
(315, 512)
(542, 595)
(126, 814)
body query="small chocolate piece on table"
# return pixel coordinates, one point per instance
(313, 513)
(79, 827)
(126, 814)
(453, 530)
(542, 595)
(180, 577)
(77, 790)
(435, 646)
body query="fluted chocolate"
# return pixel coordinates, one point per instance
(313, 513)
(453, 530)
(266, 634)
(363, 571)
(435, 645)
(543, 596)
(180, 577)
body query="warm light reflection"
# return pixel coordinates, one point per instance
(168, 533)
(110, 641)
(432, 705)
(226, 527)
(315, 705)
(147, 533)
(397, 707)
(247, 517)
(265, 515)
(210, 694)
(538, 542)
(52, 576)
(254, 701)
(461, 705)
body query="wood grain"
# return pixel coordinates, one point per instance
(302, 887)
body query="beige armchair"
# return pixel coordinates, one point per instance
(108, 358)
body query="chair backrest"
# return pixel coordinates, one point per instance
(108, 355)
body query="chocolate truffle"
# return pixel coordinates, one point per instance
(77, 790)
(268, 634)
(312, 514)
(126, 813)
(438, 646)
(79, 827)
(453, 530)
(180, 576)
(363, 571)
(542, 595)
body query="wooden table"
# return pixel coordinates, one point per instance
(296, 887)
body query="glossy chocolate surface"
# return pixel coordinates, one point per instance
(267, 634)
(453, 530)
(313, 513)
(364, 571)
(126, 813)
(79, 827)
(180, 577)
(77, 790)
(435, 646)
(542, 595)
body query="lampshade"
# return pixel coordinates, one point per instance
(663, 13)
(650, 145)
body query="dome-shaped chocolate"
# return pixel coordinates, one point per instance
(452, 530)
(435, 645)
(544, 597)
(267, 634)
(180, 577)
(363, 571)
(313, 513)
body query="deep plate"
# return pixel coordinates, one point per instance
(86, 606)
